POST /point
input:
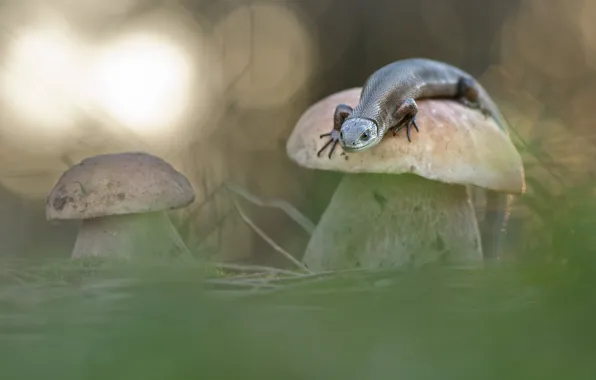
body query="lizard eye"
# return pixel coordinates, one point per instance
(364, 136)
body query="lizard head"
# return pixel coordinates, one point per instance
(358, 134)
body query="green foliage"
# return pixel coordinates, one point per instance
(527, 319)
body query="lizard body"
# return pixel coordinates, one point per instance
(387, 103)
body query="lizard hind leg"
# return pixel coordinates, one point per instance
(342, 111)
(468, 95)
(406, 114)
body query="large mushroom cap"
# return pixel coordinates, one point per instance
(116, 184)
(456, 144)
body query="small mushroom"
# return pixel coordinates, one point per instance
(404, 203)
(122, 199)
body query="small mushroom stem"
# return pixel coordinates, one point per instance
(130, 236)
(380, 220)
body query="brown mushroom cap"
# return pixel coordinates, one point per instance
(456, 144)
(117, 184)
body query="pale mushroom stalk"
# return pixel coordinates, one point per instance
(406, 204)
(378, 220)
(128, 236)
(122, 201)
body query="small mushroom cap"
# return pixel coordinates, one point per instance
(456, 144)
(117, 184)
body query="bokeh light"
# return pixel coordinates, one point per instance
(142, 81)
(69, 89)
(268, 54)
(42, 80)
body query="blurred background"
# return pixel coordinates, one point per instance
(215, 87)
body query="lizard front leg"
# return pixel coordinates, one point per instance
(468, 95)
(406, 114)
(342, 111)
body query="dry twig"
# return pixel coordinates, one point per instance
(290, 210)
(264, 236)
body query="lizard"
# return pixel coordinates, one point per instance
(387, 103)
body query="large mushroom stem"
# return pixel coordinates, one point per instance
(130, 236)
(381, 220)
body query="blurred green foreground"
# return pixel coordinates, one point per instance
(532, 319)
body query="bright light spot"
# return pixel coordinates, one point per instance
(143, 82)
(42, 77)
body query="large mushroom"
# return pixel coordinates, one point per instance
(122, 201)
(403, 203)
